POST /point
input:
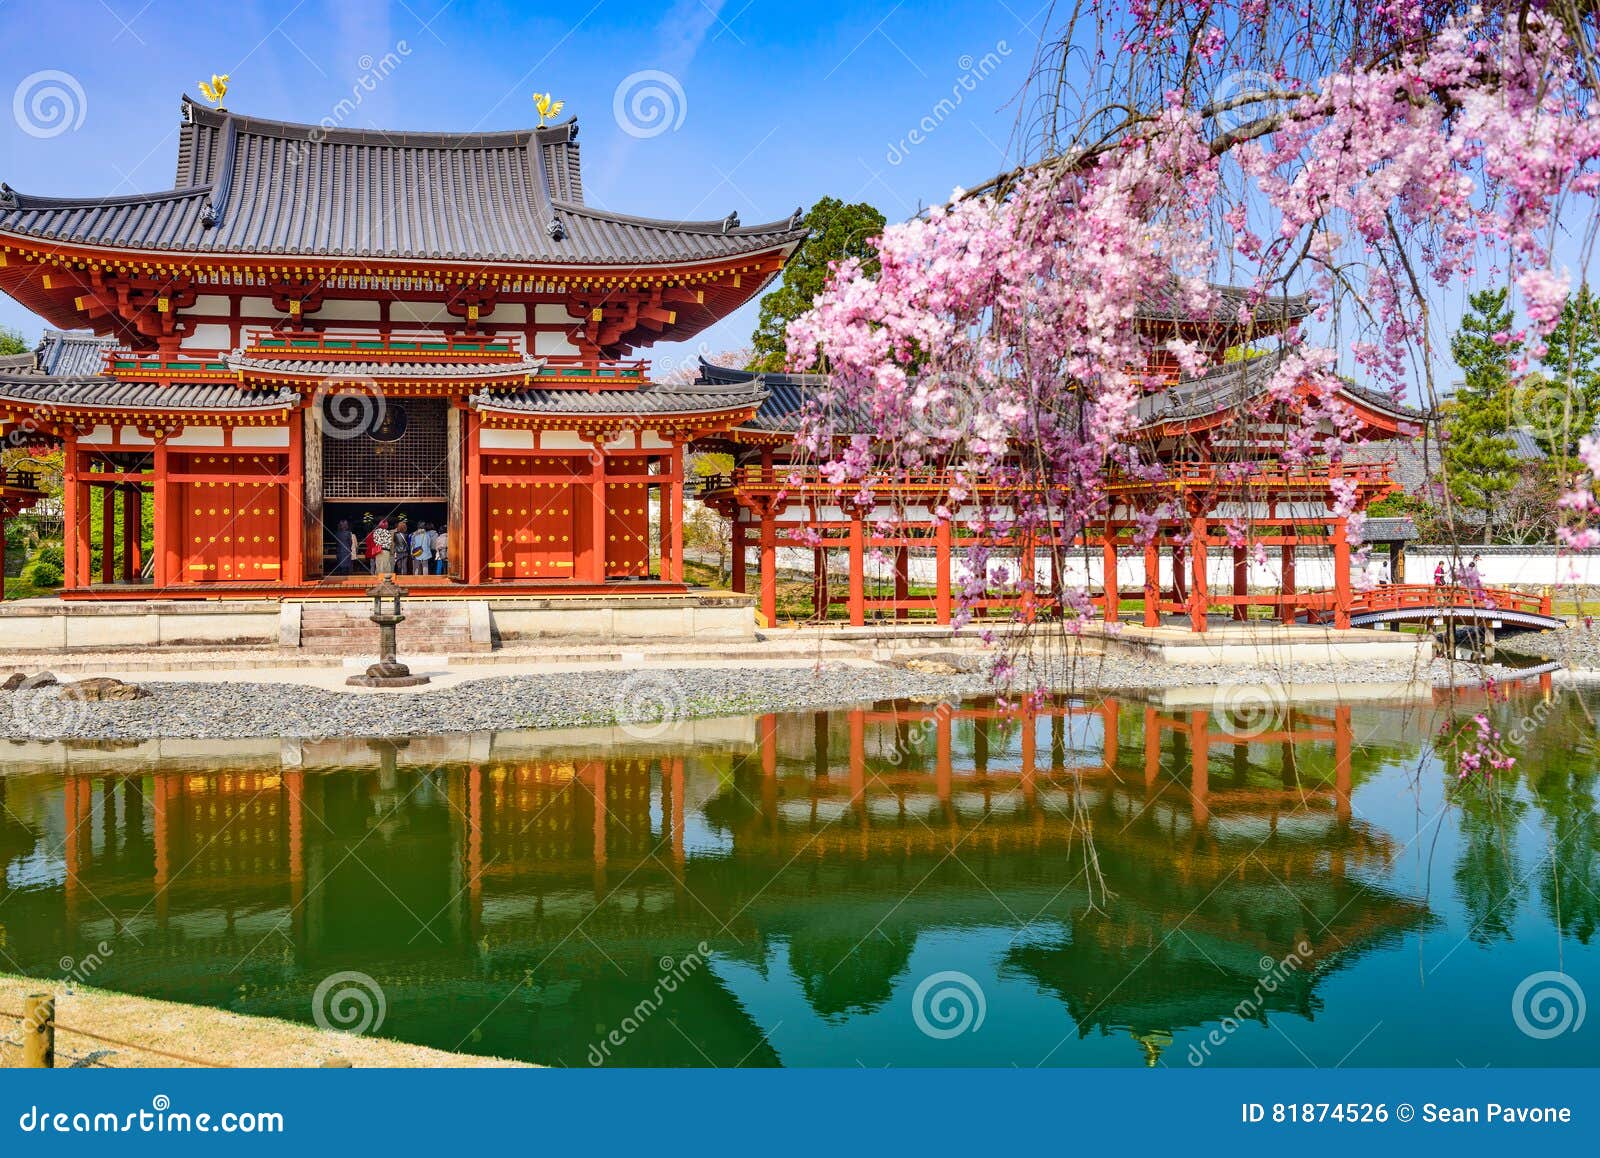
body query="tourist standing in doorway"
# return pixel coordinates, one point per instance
(441, 551)
(402, 549)
(344, 547)
(380, 548)
(422, 550)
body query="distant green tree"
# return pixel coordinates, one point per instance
(1479, 465)
(838, 231)
(12, 341)
(1562, 406)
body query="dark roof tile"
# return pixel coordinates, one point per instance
(272, 187)
(111, 394)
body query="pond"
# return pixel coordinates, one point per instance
(1128, 882)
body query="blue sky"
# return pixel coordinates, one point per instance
(782, 103)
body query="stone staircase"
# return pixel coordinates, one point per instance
(431, 627)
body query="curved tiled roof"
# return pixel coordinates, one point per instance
(111, 394)
(327, 368)
(654, 399)
(73, 353)
(785, 398)
(254, 186)
(1167, 304)
(1237, 383)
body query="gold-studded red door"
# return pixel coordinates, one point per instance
(530, 530)
(232, 532)
(628, 530)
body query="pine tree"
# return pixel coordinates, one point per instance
(1479, 462)
(838, 231)
(1564, 407)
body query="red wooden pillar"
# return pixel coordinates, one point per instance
(1030, 754)
(1152, 748)
(475, 850)
(736, 564)
(1108, 572)
(164, 784)
(1110, 724)
(942, 751)
(132, 527)
(858, 571)
(294, 787)
(1152, 582)
(819, 582)
(597, 522)
(1287, 610)
(858, 760)
(676, 505)
(1200, 760)
(597, 786)
(1197, 557)
(1027, 561)
(1241, 583)
(943, 546)
(1343, 739)
(293, 504)
(108, 533)
(1341, 576)
(902, 581)
(769, 568)
(71, 500)
(473, 558)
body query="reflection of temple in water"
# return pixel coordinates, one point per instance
(523, 900)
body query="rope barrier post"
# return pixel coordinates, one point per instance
(39, 1032)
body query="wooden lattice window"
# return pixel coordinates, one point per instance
(399, 454)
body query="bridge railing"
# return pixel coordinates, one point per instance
(1399, 596)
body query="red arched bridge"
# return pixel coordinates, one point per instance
(1425, 602)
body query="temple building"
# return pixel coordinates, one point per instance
(320, 325)
(317, 329)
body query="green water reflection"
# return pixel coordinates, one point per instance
(1117, 884)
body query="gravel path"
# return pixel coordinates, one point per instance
(1577, 646)
(643, 696)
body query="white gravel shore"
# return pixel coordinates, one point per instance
(215, 710)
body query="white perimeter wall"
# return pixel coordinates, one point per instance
(1534, 567)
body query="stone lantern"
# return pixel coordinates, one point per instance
(388, 672)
